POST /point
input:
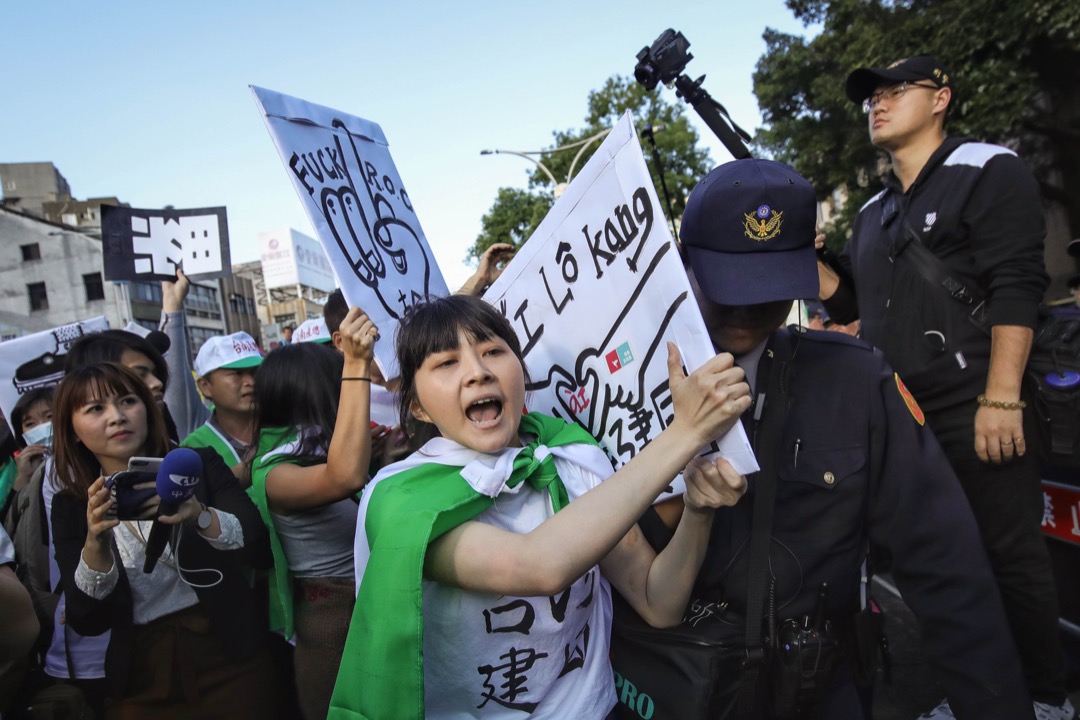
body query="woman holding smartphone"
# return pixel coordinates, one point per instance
(187, 639)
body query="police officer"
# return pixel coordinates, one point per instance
(846, 448)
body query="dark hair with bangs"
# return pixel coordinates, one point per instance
(22, 407)
(334, 311)
(74, 465)
(108, 346)
(299, 385)
(433, 327)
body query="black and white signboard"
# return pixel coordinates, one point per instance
(152, 244)
(37, 360)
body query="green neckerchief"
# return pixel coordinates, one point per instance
(281, 595)
(382, 672)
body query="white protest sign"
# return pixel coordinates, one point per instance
(37, 360)
(341, 168)
(594, 296)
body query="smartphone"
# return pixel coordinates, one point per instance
(147, 464)
(127, 500)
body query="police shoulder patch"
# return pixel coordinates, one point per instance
(909, 400)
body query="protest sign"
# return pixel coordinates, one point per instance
(151, 244)
(341, 168)
(37, 360)
(594, 296)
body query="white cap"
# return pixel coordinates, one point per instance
(227, 351)
(313, 330)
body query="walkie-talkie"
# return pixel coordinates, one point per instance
(805, 658)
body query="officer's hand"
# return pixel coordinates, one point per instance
(712, 484)
(999, 434)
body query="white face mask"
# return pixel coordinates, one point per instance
(40, 435)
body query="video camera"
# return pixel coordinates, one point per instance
(663, 61)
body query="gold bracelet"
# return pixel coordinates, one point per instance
(365, 379)
(1000, 405)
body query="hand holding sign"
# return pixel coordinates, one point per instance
(173, 294)
(358, 336)
(712, 484)
(708, 402)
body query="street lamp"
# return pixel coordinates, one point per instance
(582, 145)
(527, 156)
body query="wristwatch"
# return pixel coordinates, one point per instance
(204, 519)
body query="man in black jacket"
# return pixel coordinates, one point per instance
(976, 209)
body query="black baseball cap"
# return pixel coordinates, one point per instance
(862, 82)
(748, 231)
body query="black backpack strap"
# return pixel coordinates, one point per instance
(773, 370)
(908, 246)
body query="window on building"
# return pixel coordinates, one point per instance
(197, 336)
(30, 252)
(146, 292)
(203, 299)
(95, 286)
(39, 298)
(251, 306)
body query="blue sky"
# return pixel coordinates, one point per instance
(149, 101)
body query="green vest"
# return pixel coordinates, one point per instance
(281, 594)
(206, 435)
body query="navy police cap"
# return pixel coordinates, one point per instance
(748, 230)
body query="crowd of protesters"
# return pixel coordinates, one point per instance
(356, 546)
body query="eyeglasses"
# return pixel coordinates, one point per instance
(891, 94)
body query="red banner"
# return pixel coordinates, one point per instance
(1061, 511)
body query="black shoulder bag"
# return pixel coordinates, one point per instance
(1053, 368)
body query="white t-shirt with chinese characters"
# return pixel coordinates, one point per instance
(492, 656)
(499, 656)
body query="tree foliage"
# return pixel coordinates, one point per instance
(683, 162)
(513, 217)
(1015, 70)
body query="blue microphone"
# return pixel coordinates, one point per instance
(177, 477)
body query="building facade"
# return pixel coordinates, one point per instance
(51, 275)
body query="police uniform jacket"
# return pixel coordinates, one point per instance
(855, 462)
(977, 208)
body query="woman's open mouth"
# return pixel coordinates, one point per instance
(485, 412)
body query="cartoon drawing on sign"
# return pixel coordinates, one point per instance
(48, 368)
(370, 234)
(606, 390)
(161, 244)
